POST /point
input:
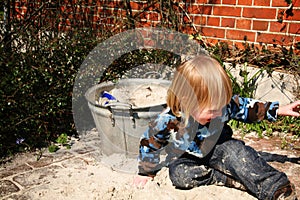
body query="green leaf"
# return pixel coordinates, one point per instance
(53, 148)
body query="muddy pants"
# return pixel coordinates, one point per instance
(230, 159)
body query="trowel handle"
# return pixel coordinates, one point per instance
(119, 107)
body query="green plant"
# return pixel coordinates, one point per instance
(61, 141)
(137, 58)
(247, 85)
(53, 148)
(37, 76)
(244, 84)
(40, 59)
(287, 125)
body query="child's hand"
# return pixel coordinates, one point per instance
(140, 181)
(292, 109)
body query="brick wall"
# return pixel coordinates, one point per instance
(257, 21)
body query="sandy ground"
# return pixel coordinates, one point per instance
(99, 182)
(83, 173)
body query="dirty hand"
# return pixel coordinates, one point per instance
(140, 181)
(292, 109)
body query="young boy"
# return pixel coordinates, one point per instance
(194, 133)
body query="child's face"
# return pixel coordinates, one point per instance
(204, 116)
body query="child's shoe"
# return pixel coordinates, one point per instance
(285, 193)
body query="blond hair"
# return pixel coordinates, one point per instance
(199, 83)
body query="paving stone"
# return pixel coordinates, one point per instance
(48, 159)
(14, 170)
(44, 180)
(84, 150)
(37, 177)
(291, 164)
(17, 197)
(43, 192)
(7, 187)
(76, 163)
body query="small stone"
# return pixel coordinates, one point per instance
(7, 188)
(111, 189)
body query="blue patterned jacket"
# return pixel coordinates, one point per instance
(167, 134)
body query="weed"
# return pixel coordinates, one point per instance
(61, 141)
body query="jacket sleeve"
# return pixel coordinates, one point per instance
(250, 110)
(154, 139)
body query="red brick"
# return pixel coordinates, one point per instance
(291, 17)
(68, 22)
(86, 10)
(296, 16)
(216, 2)
(200, 9)
(144, 24)
(154, 23)
(229, 42)
(213, 21)
(111, 20)
(135, 5)
(199, 20)
(149, 42)
(262, 2)
(17, 4)
(239, 45)
(240, 35)
(78, 17)
(279, 3)
(214, 42)
(96, 18)
(260, 13)
(213, 32)
(243, 24)
(111, 4)
(63, 8)
(188, 30)
(245, 2)
(296, 39)
(201, 1)
(98, 3)
(227, 11)
(143, 16)
(121, 13)
(260, 25)
(153, 7)
(99, 10)
(135, 13)
(63, 28)
(186, 20)
(153, 16)
(231, 2)
(228, 22)
(89, 2)
(278, 27)
(294, 28)
(296, 3)
(145, 33)
(274, 39)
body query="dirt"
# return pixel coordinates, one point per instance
(83, 173)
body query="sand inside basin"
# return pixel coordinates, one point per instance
(145, 95)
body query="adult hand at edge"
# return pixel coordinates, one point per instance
(292, 109)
